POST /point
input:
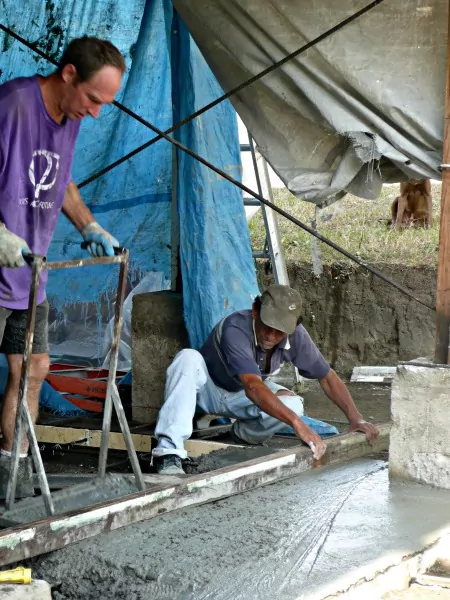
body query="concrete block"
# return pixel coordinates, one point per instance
(36, 590)
(158, 333)
(420, 407)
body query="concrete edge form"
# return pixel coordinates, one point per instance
(394, 572)
(50, 434)
(55, 532)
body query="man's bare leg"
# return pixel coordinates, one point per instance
(39, 368)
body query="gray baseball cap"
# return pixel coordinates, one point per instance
(281, 307)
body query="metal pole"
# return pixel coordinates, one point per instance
(23, 413)
(175, 227)
(114, 353)
(112, 394)
(269, 217)
(127, 437)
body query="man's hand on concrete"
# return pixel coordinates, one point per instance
(369, 429)
(314, 441)
(99, 241)
(12, 248)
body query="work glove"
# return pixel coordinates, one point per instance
(99, 242)
(12, 248)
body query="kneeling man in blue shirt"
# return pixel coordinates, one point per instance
(228, 377)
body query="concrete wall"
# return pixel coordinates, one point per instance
(420, 406)
(158, 333)
(357, 319)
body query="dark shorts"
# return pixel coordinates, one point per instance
(13, 324)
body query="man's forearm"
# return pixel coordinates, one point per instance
(269, 403)
(337, 392)
(75, 209)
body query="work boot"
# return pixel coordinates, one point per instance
(169, 464)
(24, 486)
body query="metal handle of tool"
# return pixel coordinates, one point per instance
(23, 417)
(117, 251)
(30, 258)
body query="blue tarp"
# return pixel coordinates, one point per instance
(217, 268)
(166, 80)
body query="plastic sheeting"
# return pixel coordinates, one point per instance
(218, 278)
(134, 200)
(362, 108)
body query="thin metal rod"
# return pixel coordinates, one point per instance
(132, 455)
(231, 92)
(294, 220)
(113, 357)
(225, 175)
(83, 262)
(255, 167)
(212, 104)
(285, 214)
(23, 416)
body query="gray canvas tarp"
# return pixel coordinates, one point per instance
(362, 108)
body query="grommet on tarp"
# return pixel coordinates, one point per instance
(440, 167)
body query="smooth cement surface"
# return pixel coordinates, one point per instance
(301, 538)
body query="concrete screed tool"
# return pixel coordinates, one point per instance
(23, 417)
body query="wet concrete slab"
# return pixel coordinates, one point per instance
(306, 537)
(76, 497)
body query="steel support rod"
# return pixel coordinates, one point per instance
(23, 416)
(114, 353)
(132, 455)
(113, 357)
(83, 262)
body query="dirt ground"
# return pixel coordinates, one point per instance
(372, 400)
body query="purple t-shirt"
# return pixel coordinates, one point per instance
(231, 350)
(35, 169)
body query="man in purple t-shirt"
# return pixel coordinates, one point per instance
(39, 122)
(227, 377)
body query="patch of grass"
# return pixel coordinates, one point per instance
(353, 224)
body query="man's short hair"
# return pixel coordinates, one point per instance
(257, 303)
(89, 54)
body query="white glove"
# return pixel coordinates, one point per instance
(99, 241)
(12, 248)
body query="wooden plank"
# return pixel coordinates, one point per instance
(46, 535)
(50, 434)
(442, 355)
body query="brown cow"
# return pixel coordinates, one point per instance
(413, 208)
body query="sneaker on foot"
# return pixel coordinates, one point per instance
(169, 464)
